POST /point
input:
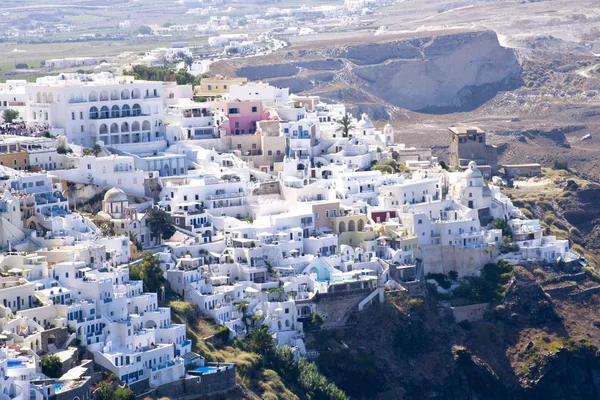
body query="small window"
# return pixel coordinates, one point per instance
(254, 109)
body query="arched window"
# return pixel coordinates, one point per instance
(124, 94)
(114, 128)
(137, 110)
(104, 95)
(342, 227)
(104, 112)
(114, 95)
(93, 129)
(146, 126)
(124, 127)
(115, 112)
(361, 225)
(351, 226)
(93, 113)
(103, 129)
(93, 96)
(125, 111)
(135, 127)
(135, 94)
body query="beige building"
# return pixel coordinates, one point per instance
(217, 86)
(12, 155)
(325, 212)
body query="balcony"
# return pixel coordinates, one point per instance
(226, 196)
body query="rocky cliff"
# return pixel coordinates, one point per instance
(436, 73)
(530, 346)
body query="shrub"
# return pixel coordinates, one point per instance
(441, 280)
(51, 366)
(560, 164)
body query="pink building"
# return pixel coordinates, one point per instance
(243, 116)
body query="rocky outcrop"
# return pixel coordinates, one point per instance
(437, 74)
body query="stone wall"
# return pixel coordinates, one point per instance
(335, 308)
(198, 385)
(464, 260)
(562, 290)
(57, 335)
(522, 170)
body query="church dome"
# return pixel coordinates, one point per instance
(115, 195)
(472, 171)
(365, 123)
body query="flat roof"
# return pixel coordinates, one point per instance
(462, 130)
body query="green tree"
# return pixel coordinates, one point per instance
(97, 149)
(315, 385)
(317, 320)
(133, 239)
(502, 224)
(560, 163)
(283, 361)
(144, 30)
(10, 116)
(185, 78)
(150, 272)
(51, 365)
(260, 340)
(123, 393)
(188, 60)
(345, 125)
(160, 225)
(104, 391)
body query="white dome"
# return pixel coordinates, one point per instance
(472, 171)
(115, 195)
(365, 123)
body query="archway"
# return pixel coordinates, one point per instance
(351, 226)
(342, 227)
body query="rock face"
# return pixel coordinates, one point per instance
(441, 74)
(436, 74)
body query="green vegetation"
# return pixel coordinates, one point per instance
(163, 74)
(159, 223)
(441, 280)
(9, 116)
(545, 346)
(560, 163)
(485, 288)
(389, 166)
(63, 150)
(260, 340)
(51, 365)
(105, 391)
(304, 374)
(345, 125)
(94, 151)
(149, 272)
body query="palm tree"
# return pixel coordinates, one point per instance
(96, 150)
(261, 340)
(133, 239)
(345, 124)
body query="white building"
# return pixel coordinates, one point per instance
(89, 108)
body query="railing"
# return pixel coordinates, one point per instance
(226, 196)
